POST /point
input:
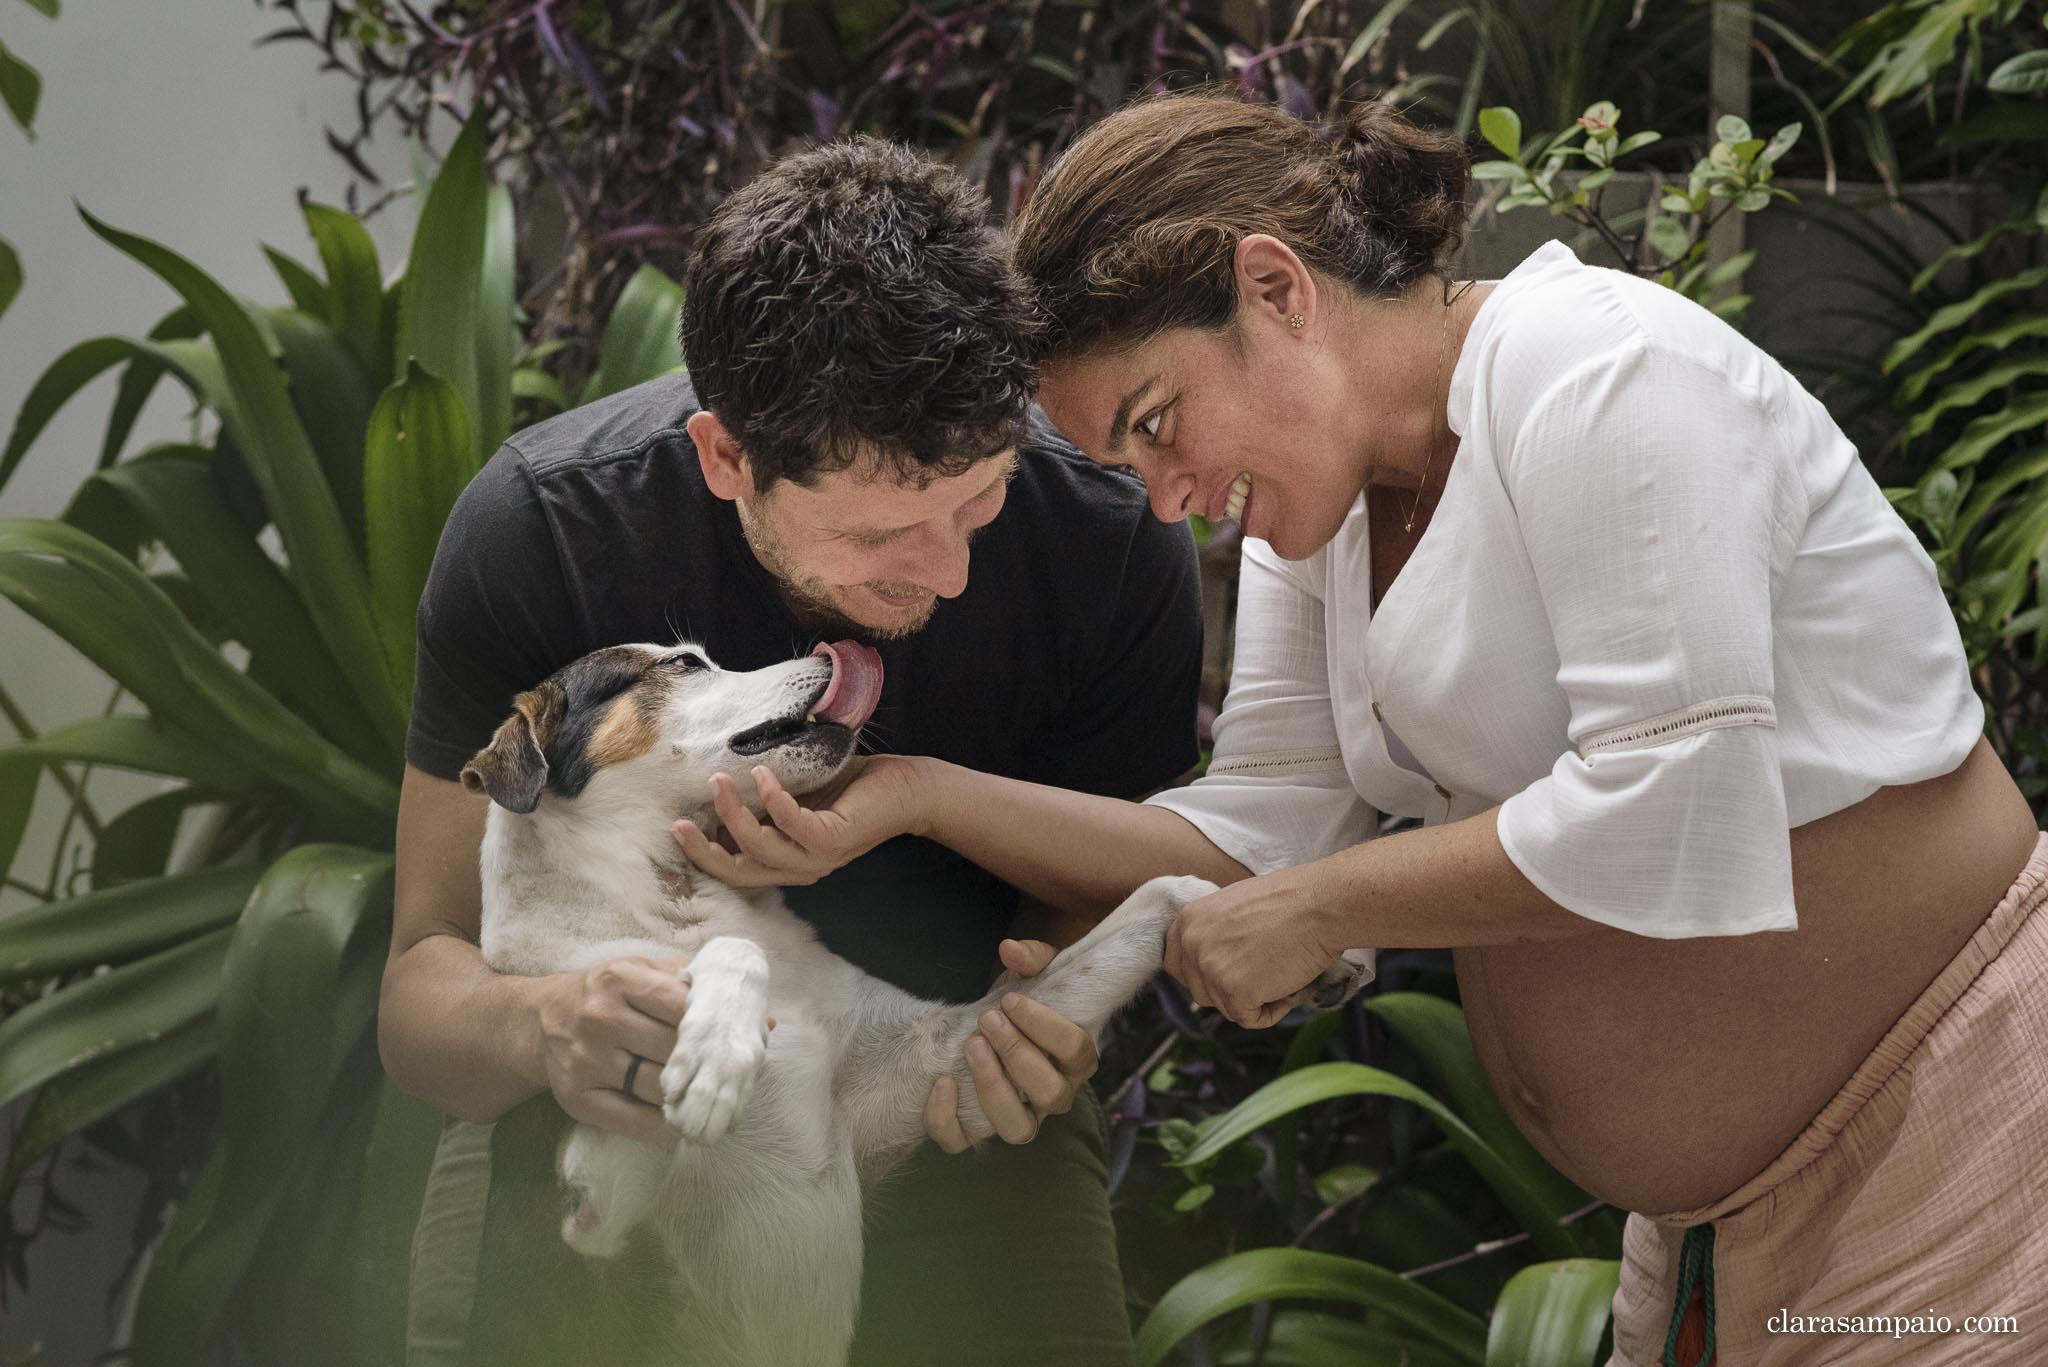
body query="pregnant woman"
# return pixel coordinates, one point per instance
(1743, 905)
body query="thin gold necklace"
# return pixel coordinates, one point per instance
(1442, 352)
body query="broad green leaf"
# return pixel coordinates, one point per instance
(1731, 130)
(307, 290)
(102, 1087)
(640, 342)
(1670, 238)
(355, 288)
(1553, 1314)
(1957, 314)
(64, 377)
(1311, 1040)
(2011, 474)
(1434, 1030)
(497, 335)
(1913, 60)
(1307, 1339)
(440, 305)
(20, 777)
(331, 393)
(1344, 1182)
(418, 456)
(1329, 1081)
(1499, 170)
(1635, 140)
(105, 608)
(20, 89)
(1968, 392)
(2023, 74)
(1984, 434)
(135, 846)
(1383, 18)
(177, 495)
(10, 274)
(1264, 1274)
(140, 744)
(1502, 127)
(47, 7)
(108, 1012)
(331, 581)
(297, 998)
(1966, 251)
(531, 382)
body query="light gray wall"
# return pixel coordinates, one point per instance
(161, 118)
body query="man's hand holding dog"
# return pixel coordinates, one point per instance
(594, 1023)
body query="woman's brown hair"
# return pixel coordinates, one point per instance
(1135, 228)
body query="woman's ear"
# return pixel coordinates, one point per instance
(727, 472)
(1272, 283)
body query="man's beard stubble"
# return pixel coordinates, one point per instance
(808, 599)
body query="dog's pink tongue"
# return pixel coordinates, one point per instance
(856, 684)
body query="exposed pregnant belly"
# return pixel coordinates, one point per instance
(1662, 1074)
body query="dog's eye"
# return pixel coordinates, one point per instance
(686, 661)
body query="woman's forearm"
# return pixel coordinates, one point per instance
(1074, 851)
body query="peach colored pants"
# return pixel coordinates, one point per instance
(1916, 1201)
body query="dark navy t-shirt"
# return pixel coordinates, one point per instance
(1072, 658)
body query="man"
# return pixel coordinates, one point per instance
(856, 344)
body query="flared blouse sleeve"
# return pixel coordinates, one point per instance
(1658, 511)
(1276, 793)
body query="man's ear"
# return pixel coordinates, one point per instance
(727, 472)
(513, 768)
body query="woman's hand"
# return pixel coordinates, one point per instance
(880, 796)
(1028, 1062)
(1249, 948)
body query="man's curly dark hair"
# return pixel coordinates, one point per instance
(856, 301)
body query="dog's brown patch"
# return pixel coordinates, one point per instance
(629, 729)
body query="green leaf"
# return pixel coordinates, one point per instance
(105, 608)
(1263, 1274)
(531, 382)
(1553, 1314)
(1955, 315)
(64, 377)
(1302, 1338)
(1502, 127)
(1194, 1198)
(1344, 1182)
(1434, 1030)
(10, 277)
(2011, 474)
(104, 1086)
(1731, 130)
(1966, 251)
(1328, 1081)
(297, 997)
(1382, 19)
(109, 1012)
(2023, 74)
(355, 287)
(1500, 170)
(139, 381)
(1670, 238)
(331, 581)
(20, 89)
(1781, 143)
(1635, 140)
(1749, 201)
(440, 301)
(1731, 269)
(418, 456)
(1969, 392)
(331, 394)
(305, 288)
(497, 338)
(136, 845)
(1940, 493)
(1593, 181)
(2020, 328)
(139, 744)
(1984, 434)
(640, 341)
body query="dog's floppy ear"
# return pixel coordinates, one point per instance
(513, 768)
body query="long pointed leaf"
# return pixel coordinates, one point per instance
(355, 284)
(418, 456)
(1264, 1274)
(1955, 315)
(66, 375)
(641, 341)
(109, 1012)
(439, 310)
(308, 291)
(1328, 1081)
(331, 580)
(140, 744)
(1553, 1314)
(497, 327)
(139, 381)
(105, 608)
(119, 924)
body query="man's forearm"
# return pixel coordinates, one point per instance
(457, 1034)
(1074, 851)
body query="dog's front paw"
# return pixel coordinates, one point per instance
(1340, 982)
(710, 1075)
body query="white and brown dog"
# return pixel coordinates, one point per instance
(777, 1133)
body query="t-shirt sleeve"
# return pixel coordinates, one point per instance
(1128, 723)
(1276, 793)
(492, 621)
(1655, 503)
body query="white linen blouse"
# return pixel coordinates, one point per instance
(1661, 616)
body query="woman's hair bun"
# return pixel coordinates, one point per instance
(1406, 186)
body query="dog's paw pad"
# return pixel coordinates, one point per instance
(708, 1079)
